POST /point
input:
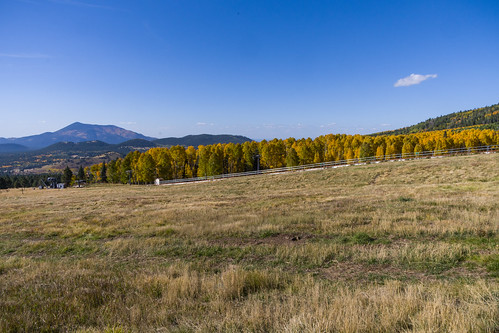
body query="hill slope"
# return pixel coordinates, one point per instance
(391, 247)
(12, 147)
(485, 117)
(73, 154)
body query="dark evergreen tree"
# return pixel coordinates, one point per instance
(67, 175)
(103, 173)
(3, 183)
(81, 173)
(126, 168)
(112, 171)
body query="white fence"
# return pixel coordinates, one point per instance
(334, 164)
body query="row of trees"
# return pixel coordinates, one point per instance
(35, 180)
(28, 180)
(180, 162)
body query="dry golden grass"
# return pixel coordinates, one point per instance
(393, 247)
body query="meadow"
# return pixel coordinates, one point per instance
(391, 247)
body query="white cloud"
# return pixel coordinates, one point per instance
(327, 125)
(199, 123)
(413, 79)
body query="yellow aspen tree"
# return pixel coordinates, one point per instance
(250, 151)
(380, 153)
(191, 162)
(390, 151)
(204, 153)
(238, 158)
(485, 137)
(304, 152)
(146, 168)
(163, 162)
(179, 158)
(407, 149)
(292, 158)
(418, 149)
(366, 148)
(135, 155)
(229, 160)
(349, 154)
(215, 163)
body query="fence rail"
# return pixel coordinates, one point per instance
(335, 164)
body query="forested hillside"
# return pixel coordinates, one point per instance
(179, 162)
(482, 118)
(61, 154)
(201, 139)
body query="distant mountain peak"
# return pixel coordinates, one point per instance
(78, 132)
(75, 125)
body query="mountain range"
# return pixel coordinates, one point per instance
(107, 134)
(85, 144)
(76, 132)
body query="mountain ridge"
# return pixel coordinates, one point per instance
(12, 148)
(77, 132)
(484, 118)
(56, 155)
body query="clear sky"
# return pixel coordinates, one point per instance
(262, 69)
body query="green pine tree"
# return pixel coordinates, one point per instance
(81, 173)
(67, 175)
(103, 173)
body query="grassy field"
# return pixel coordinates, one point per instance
(392, 247)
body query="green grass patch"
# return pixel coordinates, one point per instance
(405, 199)
(490, 262)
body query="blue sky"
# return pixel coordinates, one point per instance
(263, 69)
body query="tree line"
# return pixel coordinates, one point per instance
(26, 180)
(207, 160)
(8, 180)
